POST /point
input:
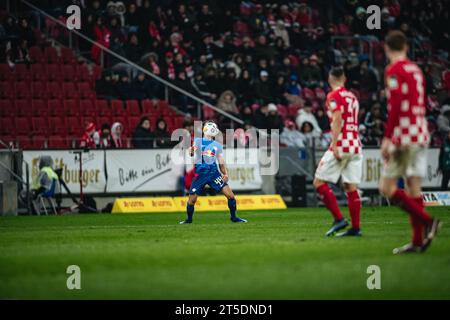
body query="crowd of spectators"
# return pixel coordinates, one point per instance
(250, 57)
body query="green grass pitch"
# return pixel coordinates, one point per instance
(277, 255)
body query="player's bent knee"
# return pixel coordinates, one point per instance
(349, 187)
(192, 200)
(317, 183)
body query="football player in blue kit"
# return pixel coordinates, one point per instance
(207, 154)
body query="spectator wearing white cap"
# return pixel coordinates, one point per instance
(305, 115)
(263, 89)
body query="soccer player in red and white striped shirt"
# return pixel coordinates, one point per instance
(405, 141)
(343, 159)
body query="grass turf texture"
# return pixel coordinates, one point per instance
(277, 255)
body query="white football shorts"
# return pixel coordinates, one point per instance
(406, 161)
(349, 167)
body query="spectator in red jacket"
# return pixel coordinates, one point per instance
(102, 36)
(90, 137)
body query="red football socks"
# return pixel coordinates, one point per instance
(354, 206)
(417, 226)
(411, 206)
(329, 199)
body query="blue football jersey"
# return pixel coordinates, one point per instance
(206, 154)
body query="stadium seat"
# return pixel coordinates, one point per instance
(6, 108)
(54, 90)
(74, 126)
(54, 73)
(102, 108)
(69, 74)
(292, 110)
(38, 90)
(84, 75)
(7, 90)
(308, 94)
(36, 55)
(147, 106)
(23, 108)
(117, 108)
(208, 113)
(22, 126)
(57, 126)
(51, 55)
(39, 108)
(87, 108)
(6, 74)
(39, 125)
(67, 56)
(70, 91)
(38, 72)
(8, 139)
(320, 94)
(282, 110)
(71, 107)
(85, 91)
(132, 108)
(38, 142)
(103, 120)
(132, 123)
(8, 126)
(57, 142)
(21, 72)
(23, 142)
(23, 90)
(55, 107)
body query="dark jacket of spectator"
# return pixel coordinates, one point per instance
(162, 134)
(143, 138)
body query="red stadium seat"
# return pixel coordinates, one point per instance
(74, 126)
(132, 108)
(320, 94)
(51, 55)
(69, 74)
(67, 56)
(87, 108)
(54, 90)
(85, 91)
(55, 107)
(57, 126)
(84, 74)
(21, 72)
(57, 142)
(38, 142)
(7, 90)
(54, 73)
(23, 108)
(8, 126)
(24, 142)
(147, 106)
(39, 108)
(117, 108)
(308, 94)
(292, 110)
(6, 74)
(22, 126)
(282, 110)
(36, 55)
(102, 108)
(38, 90)
(6, 108)
(103, 120)
(23, 90)
(132, 123)
(97, 72)
(38, 72)
(208, 113)
(70, 91)
(71, 107)
(9, 140)
(39, 125)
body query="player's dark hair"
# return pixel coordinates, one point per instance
(337, 72)
(396, 40)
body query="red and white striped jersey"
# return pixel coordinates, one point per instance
(405, 91)
(345, 101)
